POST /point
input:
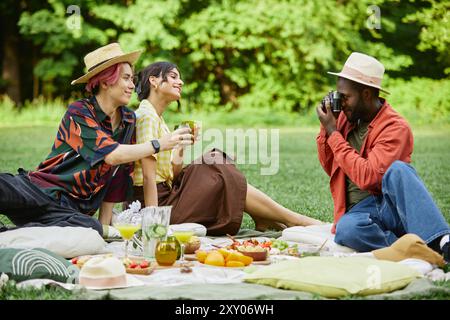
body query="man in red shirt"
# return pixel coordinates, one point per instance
(366, 150)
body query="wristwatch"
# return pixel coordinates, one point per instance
(156, 145)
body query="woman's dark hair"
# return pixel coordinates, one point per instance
(161, 68)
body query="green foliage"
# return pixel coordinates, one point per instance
(250, 54)
(39, 112)
(434, 34)
(61, 45)
(274, 54)
(421, 100)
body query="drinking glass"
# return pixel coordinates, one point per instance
(155, 223)
(183, 235)
(193, 125)
(190, 124)
(127, 224)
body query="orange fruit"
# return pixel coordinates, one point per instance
(224, 252)
(215, 258)
(234, 256)
(234, 264)
(246, 260)
(201, 255)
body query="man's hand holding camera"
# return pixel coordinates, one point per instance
(326, 115)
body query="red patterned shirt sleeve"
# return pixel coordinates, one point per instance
(86, 136)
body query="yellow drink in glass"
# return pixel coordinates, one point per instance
(127, 230)
(183, 236)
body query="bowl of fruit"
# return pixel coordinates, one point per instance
(193, 245)
(258, 253)
(137, 266)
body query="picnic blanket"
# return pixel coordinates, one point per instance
(232, 291)
(212, 283)
(246, 291)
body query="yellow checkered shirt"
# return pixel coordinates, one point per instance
(150, 126)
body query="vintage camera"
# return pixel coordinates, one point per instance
(335, 99)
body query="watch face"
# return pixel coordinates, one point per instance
(156, 145)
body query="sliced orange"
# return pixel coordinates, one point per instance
(201, 255)
(234, 256)
(215, 258)
(234, 264)
(246, 260)
(224, 252)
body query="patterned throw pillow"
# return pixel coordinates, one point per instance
(26, 264)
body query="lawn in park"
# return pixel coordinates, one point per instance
(300, 183)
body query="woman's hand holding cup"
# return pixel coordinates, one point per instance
(179, 138)
(193, 126)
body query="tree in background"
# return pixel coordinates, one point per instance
(59, 42)
(435, 31)
(267, 54)
(10, 83)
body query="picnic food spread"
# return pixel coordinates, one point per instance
(223, 258)
(193, 245)
(134, 266)
(259, 251)
(255, 248)
(256, 252)
(140, 266)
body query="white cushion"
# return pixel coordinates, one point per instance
(198, 229)
(68, 242)
(314, 235)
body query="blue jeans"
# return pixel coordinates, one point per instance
(404, 206)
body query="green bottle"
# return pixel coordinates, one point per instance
(177, 244)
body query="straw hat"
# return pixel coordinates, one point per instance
(100, 273)
(363, 69)
(104, 57)
(409, 246)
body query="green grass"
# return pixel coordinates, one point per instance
(11, 292)
(300, 183)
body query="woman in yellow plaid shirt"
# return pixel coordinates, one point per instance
(212, 192)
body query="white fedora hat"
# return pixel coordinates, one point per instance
(363, 69)
(104, 57)
(100, 273)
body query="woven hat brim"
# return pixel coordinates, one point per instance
(131, 57)
(343, 75)
(131, 282)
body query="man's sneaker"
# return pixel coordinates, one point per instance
(446, 251)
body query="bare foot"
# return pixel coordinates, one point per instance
(265, 224)
(303, 220)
